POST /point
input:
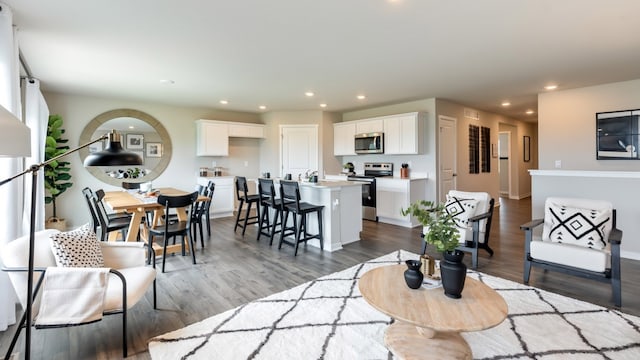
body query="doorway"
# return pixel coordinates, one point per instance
(504, 165)
(447, 156)
(298, 149)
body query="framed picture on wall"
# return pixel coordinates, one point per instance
(154, 149)
(526, 151)
(618, 135)
(135, 142)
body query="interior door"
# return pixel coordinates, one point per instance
(447, 145)
(298, 149)
(504, 168)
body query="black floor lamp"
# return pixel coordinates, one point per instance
(112, 155)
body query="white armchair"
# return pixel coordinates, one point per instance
(473, 213)
(128, 277)
(580, 238)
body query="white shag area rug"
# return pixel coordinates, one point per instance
(327, 318)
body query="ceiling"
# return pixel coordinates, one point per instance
(256, 52)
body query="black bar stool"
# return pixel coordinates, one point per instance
(242, 193)
(268, 200)
(290, 196)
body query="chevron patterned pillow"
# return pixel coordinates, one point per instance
(77, 248)
(583, 227)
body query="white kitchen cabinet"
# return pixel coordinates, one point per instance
(394, 194)
(223, 201)
(212, 138)
(344, 138)
(246, 130)
(401, 134)
(374, 125)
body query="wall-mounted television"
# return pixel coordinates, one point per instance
(618, 135)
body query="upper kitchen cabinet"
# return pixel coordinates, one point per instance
(369, 126)
(246, 130)
(401, 134)
(343, 138)
(212, 138)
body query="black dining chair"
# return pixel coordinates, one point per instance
(290, 195)
(171, 229)
(269, 203)
(201, 213)
(106, 223)
(88, 197)
(242, 193)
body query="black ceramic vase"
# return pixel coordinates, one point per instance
(453, 272)
(412, 276)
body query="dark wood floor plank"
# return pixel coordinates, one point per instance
(233, 270)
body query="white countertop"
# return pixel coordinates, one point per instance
(331, 183)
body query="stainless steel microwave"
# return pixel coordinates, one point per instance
(371, 143)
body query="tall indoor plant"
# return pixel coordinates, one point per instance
(56, 174)
(441, 231)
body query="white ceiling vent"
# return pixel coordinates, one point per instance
(472, 114)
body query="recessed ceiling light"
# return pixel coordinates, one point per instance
(167, 82)
(361, 97)
(262, 107)
(529, 112)
(506, 103)
(309, 94)
(551, 87)
(323, 105)
(224, 102)
(131, 127)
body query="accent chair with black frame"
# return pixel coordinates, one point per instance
(62, 276)
(579, 237)
(472, 213)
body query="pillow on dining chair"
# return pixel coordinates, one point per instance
(77, 248)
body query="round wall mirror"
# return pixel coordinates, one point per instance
(141, 133)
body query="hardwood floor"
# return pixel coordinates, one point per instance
(233, 270)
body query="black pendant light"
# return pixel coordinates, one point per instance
(113, 154)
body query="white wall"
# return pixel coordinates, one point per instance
(567, 132)
(181, 173)
(270, 147)
(567, 125)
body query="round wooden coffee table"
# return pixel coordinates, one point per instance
(428, 324)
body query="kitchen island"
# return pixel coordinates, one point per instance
(342, 214)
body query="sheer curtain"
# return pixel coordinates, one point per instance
(11, 200)
(36, 116)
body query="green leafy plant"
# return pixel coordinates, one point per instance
(56, 174)
(441, 228)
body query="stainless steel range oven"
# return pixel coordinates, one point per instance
(371, 171)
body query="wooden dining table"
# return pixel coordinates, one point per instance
(138, 204)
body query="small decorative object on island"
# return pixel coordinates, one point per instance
(412, 275)
(404, 171)
(440, 230)
(349, 168)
